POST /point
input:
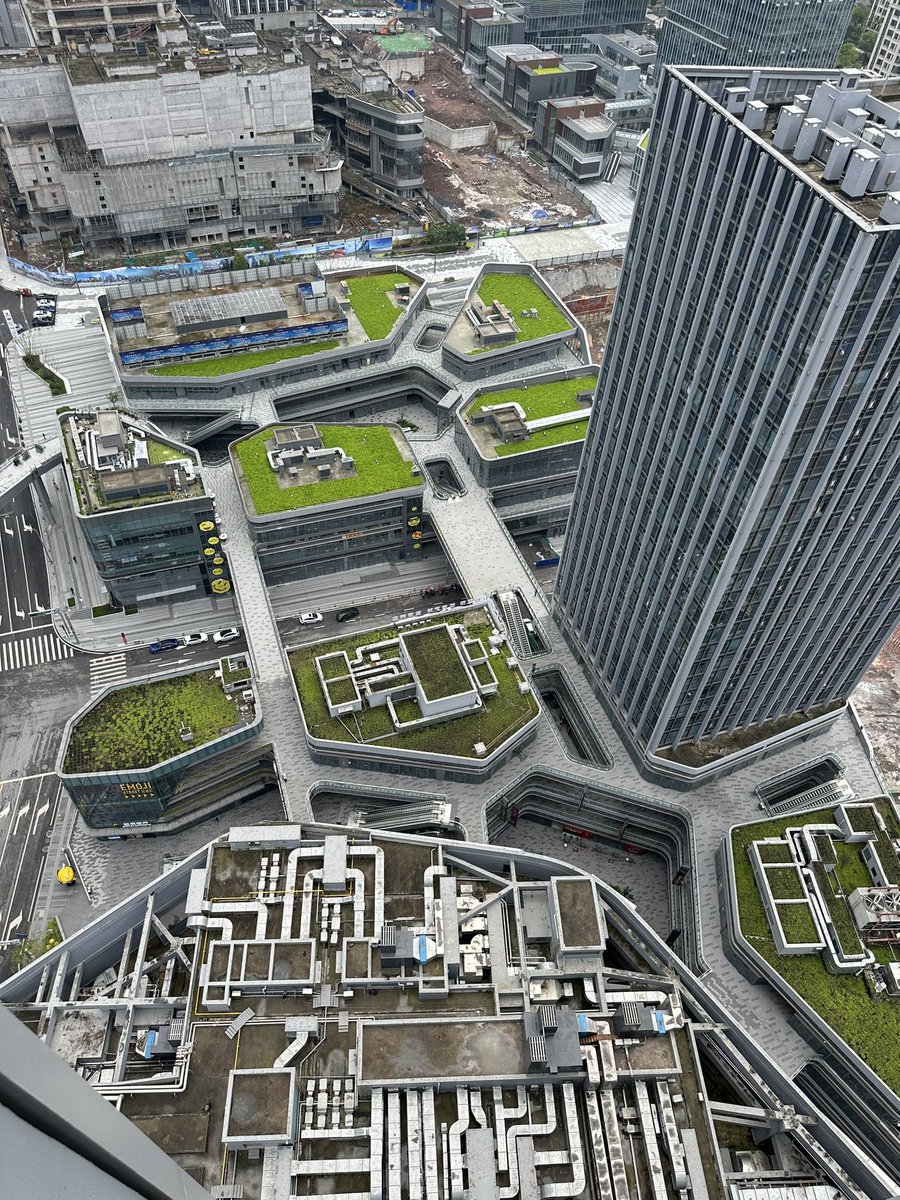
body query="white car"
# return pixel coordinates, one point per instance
(311, 618)
(195, 639)
(226, 635)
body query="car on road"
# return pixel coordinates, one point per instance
(226, 635)
(347, 614)
(311, 618)
(157, 647)
(195, 639)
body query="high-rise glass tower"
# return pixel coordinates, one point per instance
(733, 554)
(754, 31)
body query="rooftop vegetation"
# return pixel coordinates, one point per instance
(556, 435)
(159, 452)
(520, 292)
(370, 302)
(498, 720)
(778, 852)
(540, 399)
(784, 883)
(797, 924)
(436, 662)
(139, 726)
(870, 1027)
(244, 360)
(380, 467)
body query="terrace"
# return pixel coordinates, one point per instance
(419, 689)
(549, 414)
(139, 726)
(870, 1027)
(336, 463)
(115, 464)
(507, 310)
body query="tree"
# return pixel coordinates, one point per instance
(859, 18)
(239, 262)
(848, 56)
(451, 234)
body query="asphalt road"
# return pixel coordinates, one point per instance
(28, 808)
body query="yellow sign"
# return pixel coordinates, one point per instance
(133, 790)
(414, 521)
(214, 541)
(218, 560)
(221, 585)
(218, 571)
(65, 875)
(209, 552)
(417, 535)
(207, 526)
(417, 545)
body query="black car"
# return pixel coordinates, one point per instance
(347, 614)
(164, 644)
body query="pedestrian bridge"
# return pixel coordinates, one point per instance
(17, 473)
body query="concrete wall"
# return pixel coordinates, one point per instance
(457, 139)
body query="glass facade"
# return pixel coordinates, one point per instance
(732, 553)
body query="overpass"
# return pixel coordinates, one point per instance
(17, 473)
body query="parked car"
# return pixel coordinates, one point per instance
(44, 317)
(195, 639)
(226, 635)
(311, 618)
(347, 614)
(163, 644)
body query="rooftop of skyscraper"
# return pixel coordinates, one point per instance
(839, 128)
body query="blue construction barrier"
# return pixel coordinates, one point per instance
(125, 314)
(238, 341)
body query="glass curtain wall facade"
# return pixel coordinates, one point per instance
(732, 554)
(561, 25)
(753, 32)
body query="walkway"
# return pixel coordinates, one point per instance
(282, 723)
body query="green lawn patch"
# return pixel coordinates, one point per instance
(784, 883)
(797, 924)
(369, 301)
(342, 691)
(837, 910)
(38, 367)
(556, 435)
(436, 662)
(483, 674)
(380, 467)
(333, 667)
(159, 452)
(245, 360)
(407, 710)
(501, 716)
(852, 872)
(777, 852)
(239, 673)
(139, 726)
(520, 292)
(862, 819)
(539, 400)
(890, 864)
(870, 1027)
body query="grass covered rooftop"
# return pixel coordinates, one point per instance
(136, 727)
(435, 660)
(871, 1027)
(380, 467)
(502, 715)
(521, 292)
(542, 400)
(371, 303)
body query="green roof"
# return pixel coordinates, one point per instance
(519, 293)
(136, 727)
(371, 304)
(547, 70)
(436, 662)
(542, 400)
(404, 43)
(380, 467)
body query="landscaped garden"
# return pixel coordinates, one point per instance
(37, 366)
(380, 467)
(518, 293)
(870, 1026)
(371, 303)
(538, 401)
(436, 663)
(244, 360)
(139, 726)
(500, 717)
(159, 452)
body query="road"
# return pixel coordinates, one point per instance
(28, 808)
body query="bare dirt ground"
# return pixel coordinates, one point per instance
(496, 190)
(878, 701)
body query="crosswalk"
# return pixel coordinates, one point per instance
(107, 670)
(31, 649)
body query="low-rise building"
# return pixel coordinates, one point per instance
(322, 498)
(624, 61)
(143, 509)
(521, 76)
(577, 135)
(471, 29)
(150, 752)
